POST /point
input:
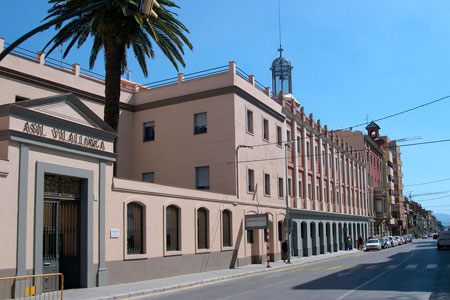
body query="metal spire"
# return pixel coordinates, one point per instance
(279, 27)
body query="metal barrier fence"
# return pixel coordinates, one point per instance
(45, 287)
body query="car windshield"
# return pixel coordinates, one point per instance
(373, 241)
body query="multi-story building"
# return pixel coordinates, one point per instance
(370, 146)
(398, 221)
(196, 156)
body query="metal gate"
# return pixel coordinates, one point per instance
(61, 241)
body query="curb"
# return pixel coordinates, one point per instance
(147, 292)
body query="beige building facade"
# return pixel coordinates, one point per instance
(195, 157)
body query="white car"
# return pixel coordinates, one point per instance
(373, 244)
(443, 239)
(394, 242)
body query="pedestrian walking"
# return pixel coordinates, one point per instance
(349, 243)
(360, 242)
(284, 250)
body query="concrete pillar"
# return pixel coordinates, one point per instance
(333, 166)
(307, 248)
(299, 249)
(314, 238)
(322, 238)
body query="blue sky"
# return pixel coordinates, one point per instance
(353, 59)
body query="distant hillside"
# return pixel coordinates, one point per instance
(444, 218)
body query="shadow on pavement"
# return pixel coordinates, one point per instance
(413, 275)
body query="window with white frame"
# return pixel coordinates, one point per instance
(290, 186)
(249, 121)
(307, 150)
(300, 189)
(279, 136)
(202, 178)
(280, 187)
(202, 228)
(266, 184)
(200, 125)
(288, 138)
(251, 180)
(266, 129)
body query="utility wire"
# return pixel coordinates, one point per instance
(432, 199)
(376, 120)
(429, 182)
(356, 150)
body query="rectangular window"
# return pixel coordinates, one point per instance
(299, 145)
(300, 189)
(251, 180)
(265, 129)
(307, 150)
(324, 194)
(279, 136)
(249, 121)
(149, 131)
(250, 236)
(336, 164)
(288, 138)
(148, 177)
(202, 178)
(266, 184)
(309, 191)
(289, 186)
(317, 193)
(280, 187)
(200, 123)
(337, 197)
(316, 154)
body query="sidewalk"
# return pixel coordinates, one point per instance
(133, 289)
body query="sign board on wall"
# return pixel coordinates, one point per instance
(260, 221)
(114, 234)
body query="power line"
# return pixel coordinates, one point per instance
(429, 182)
(376, 120)
(426, 194)
(432, 198)
(404, 111)
(324, 154)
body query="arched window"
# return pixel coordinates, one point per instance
(202, 228)
(226, 228)
(135, 228)
(172, 228)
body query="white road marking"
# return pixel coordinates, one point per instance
(411, 266)
(432, 266)
(272, 276)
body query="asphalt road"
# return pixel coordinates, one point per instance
(413, 271)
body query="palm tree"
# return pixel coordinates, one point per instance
(117, 25)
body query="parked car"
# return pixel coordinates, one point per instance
(443, 239)
(373, 244)
(435, 235)
(393, 241)
(397, 238)
(424, 236)
(386, 243)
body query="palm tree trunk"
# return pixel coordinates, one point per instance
(114, 56)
